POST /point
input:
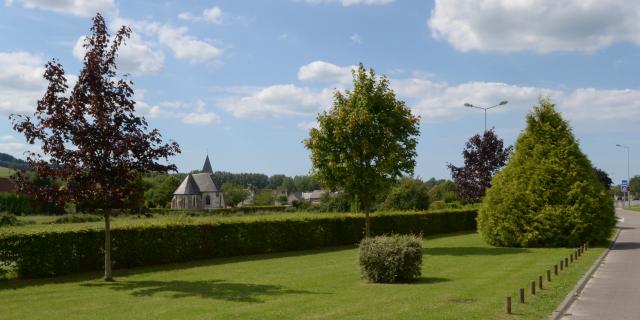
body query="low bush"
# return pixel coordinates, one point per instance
(77, 218)
(50, 253)
(8, 219)
(390, 259)
(222, 211)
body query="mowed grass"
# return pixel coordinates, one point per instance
(634, 208)
(462, 278)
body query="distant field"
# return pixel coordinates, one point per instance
(6, 172)
(42, 222)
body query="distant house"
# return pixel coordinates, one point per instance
(198, 192)
(294, 196)
(6, 185)
(314, 196)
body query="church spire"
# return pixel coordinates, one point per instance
(207, 166)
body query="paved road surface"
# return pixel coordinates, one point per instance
(614, 290)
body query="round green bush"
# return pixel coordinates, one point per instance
(77, 218)
(548, 195)
(389, 259)
(8, 219)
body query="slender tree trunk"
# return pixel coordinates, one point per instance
(107, 246)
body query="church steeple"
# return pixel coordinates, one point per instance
(207, 166)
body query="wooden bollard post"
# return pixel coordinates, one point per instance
(540, 281)
(571, 258)
(566, 262)
(533, 287)
(555, 270)
(521, 294)
(576, 255)
(561, 265)
(507, 305)
(548, 275)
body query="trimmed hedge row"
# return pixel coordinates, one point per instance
(222, 211)
(55, 253)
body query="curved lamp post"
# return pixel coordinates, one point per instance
(469, 105)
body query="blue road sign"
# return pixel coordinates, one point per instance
(624, 185)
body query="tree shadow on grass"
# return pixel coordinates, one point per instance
(471, 251)
(626, 246)
(13, 284)
(431, 280)
(209, 289)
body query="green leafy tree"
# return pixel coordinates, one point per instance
(548, 194)
(365, 142)
(634, 185)
(234, 194)
(94, 145)
(443, 190)
(265, 198)
(408, 194)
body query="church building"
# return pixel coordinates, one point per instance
(198, 192)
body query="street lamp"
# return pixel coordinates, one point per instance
(469, 105)
(628, 177)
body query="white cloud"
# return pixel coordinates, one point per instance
(187, 47)
(541, 26)
(196, 114)
(83, 8)
(10, 145)
(356, 38)
(204, 118)
(136, 56)
(183, 45)
(347, 3)
(308, 125)
(278, 100)
(21, 82)
(435, 101)
(210, 15)
(326, 72)
(589, 104)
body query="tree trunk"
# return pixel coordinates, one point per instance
(107, 246)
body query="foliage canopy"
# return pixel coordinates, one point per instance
(483, 157)
(366, 141)
(548, 194)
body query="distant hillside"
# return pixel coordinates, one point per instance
(8, 161)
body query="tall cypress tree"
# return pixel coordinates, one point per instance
(548, 194)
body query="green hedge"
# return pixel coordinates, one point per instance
(44, 254)
(222, 211)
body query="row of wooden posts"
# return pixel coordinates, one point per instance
(564, 263)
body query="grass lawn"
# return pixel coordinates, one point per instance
(634, 208)
(462, 278)
(6, 172)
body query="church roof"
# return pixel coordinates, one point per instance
(207, 166)
(188, 186)
(197, 183)
(205, 182)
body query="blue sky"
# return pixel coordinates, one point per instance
(243, 80)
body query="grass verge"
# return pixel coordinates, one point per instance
(462, 278)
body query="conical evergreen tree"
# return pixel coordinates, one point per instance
(548, 194)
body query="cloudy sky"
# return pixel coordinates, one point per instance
(244, 80)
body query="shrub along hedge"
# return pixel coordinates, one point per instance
(44, 254)
(222, 211)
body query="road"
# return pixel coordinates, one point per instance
(614, 290)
